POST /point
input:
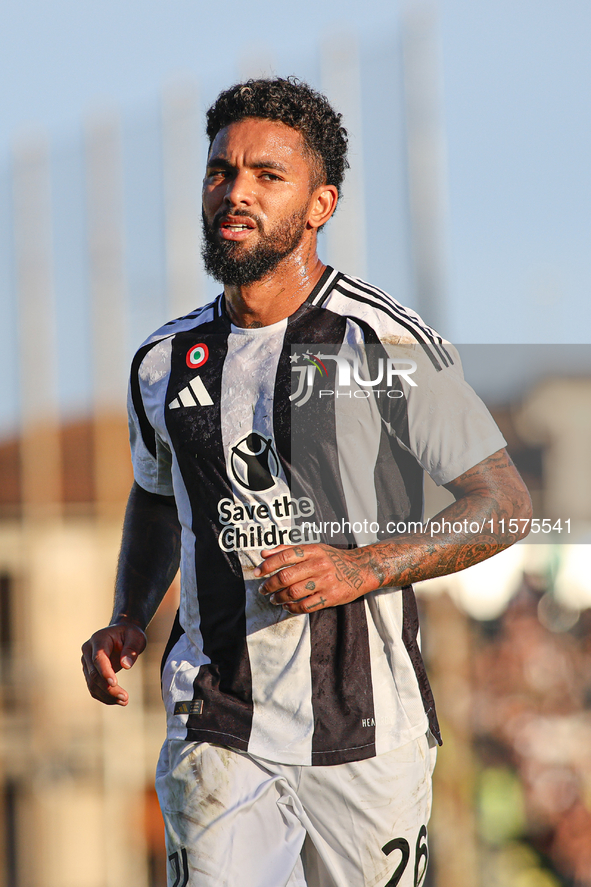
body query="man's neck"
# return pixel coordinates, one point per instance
(276, 296)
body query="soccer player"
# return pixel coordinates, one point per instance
(279, 436)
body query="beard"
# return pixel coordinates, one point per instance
(230, 262)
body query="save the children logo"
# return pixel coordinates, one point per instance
(250, 525)
(252, 522)
(350, 377)
(254, 463)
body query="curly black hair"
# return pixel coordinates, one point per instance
(293, 102)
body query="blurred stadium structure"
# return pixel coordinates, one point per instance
(507, 642)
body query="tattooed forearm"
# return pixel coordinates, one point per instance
(489, 498)
(377, 569)
(490, 495)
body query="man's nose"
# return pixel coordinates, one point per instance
(239, 191)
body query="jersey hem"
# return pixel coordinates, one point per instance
(319, 759)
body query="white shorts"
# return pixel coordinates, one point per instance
(233, 820)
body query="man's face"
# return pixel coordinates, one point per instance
(256, 199)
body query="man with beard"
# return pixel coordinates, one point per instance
(301, 726)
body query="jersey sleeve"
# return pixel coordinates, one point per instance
(150, 454)
(445, 425)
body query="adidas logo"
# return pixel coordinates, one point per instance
(195, 394)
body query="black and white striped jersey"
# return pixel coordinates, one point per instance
(315, 428)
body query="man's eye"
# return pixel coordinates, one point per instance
(271, 176)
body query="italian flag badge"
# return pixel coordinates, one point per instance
(197, 355)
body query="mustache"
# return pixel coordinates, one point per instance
(223, 214)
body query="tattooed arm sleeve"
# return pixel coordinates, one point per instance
(490, 495)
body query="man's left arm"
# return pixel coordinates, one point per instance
(491, 495)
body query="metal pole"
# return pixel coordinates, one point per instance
(109, 295)
(40, 440)
(182, 198)
(346, 231)
(425, 140)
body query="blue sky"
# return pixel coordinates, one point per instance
(515, 89)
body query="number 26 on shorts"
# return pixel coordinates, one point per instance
(421, 853)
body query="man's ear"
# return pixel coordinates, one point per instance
(322, 205)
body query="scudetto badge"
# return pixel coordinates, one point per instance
(197, 355)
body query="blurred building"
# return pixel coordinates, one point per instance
(76, 777)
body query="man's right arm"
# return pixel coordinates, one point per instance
(148, 561)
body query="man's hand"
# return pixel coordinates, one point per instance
(107, 652)
(310, 577)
